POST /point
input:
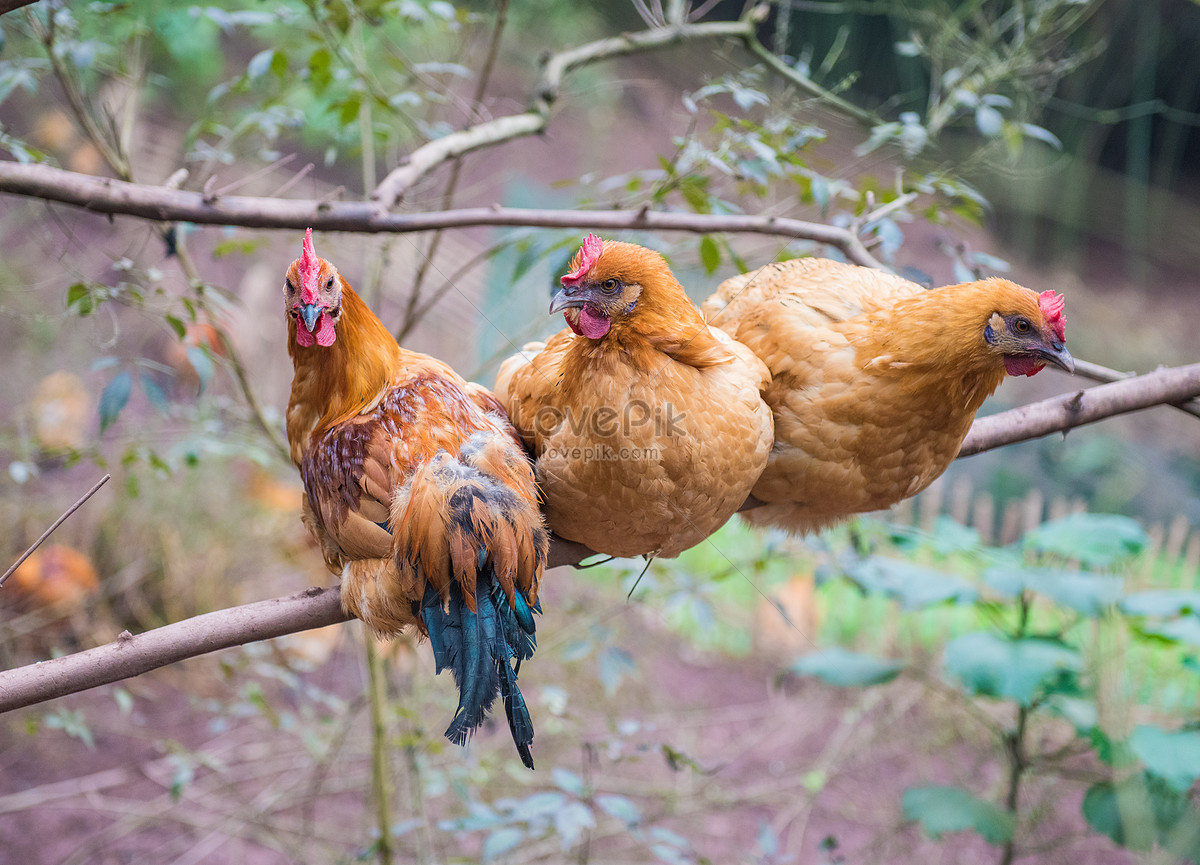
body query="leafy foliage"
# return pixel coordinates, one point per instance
(949, 809)
(1035, 655)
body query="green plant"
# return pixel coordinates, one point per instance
(1064, 645)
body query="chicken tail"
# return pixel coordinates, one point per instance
(484, 649)
(472, 542)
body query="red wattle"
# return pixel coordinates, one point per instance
(592, 324)
(325, 335)
(1022, 364)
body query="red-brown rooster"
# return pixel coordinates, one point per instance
(419, 493)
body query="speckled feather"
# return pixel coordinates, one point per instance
(698, 432)
(875, 380)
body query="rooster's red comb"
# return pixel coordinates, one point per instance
(310, 270)
(1052, 309)
(587, 255)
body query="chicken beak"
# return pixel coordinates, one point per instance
(566, 299)
(310, 313)
(1058, 355)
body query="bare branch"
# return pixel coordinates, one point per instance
(62, 519)
(105, 195)
(13, 5)
(314, 608)
(131, 656)
(427, 157)
(1096, 372)
(1167, 386)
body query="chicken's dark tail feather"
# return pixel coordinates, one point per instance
(484, 650)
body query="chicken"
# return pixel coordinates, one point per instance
(419, 493)
(875, 380)
(648, 427)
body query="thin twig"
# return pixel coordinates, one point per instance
(380, 774)
(62, 519)
(412, 313)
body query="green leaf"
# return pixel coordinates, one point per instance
(73, 724)
(320, 72)
(951, 809)
(1183, 630)
(1174, 757)
(1090, 594)
(1143, 810)
(620, 808)
(260, 64)
(1080, 712)
(202, 362)
(914, 586)
(176, 325)
(1096, 540)
(994, 666)
(615, 665)
(694, 189)
(114, 397)
(1161, 602)
(710, 254)
(153, 392)
(80, 298)
(847, 669)
(988, 121)
(348, 110)
(571, 820)
(501, 841)
(567, 780)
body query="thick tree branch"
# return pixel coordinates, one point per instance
(105, 195)
(1168, 386)
(130, 656)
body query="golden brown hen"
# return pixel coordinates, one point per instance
(418, 491)
(648, 426)
(875, 380)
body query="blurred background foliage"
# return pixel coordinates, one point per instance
(1006, 668)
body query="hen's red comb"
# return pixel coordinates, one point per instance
(587, 255)
(1052, 309)
(310, 270)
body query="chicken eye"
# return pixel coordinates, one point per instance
(1022, 325)
(329, 284)
(609, 285)
(288, 287)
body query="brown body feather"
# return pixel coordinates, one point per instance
(388, 439)
(875, 380)
(649, 438)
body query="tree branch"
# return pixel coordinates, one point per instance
(131, 656)
(105, 195)
(556, 67)
(1167, 386)
(12, 5)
